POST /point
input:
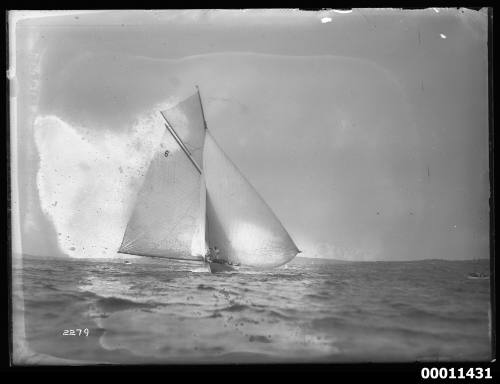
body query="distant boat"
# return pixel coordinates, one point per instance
(477, 275)
(195, 204)
(127, 262)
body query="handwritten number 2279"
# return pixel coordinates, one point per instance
(76, 332)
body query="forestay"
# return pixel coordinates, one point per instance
(187, 120)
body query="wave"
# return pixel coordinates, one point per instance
(236, 308)
(281, 315)
(115, 304)
(431, 314)
(454, 317)
(214, 315)
(342, 325)
(216, 319)
(204, 287)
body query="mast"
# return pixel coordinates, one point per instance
(181, 144)
(204, 191)
(201, 105)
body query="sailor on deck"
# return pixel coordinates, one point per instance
(213, 255)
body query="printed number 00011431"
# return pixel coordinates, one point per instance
(459, 373)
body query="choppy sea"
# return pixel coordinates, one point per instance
(155, 311)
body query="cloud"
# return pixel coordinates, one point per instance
(337, 146)
(87, 180)
(357, 112)
(338, 252)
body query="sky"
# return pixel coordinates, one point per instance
(365, 132)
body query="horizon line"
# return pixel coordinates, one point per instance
(64, 256)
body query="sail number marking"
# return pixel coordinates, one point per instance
(167, 152)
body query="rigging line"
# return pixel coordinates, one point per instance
(190, 258)
(181, 144)
(130, 244)
(124, 244)
(201, 105)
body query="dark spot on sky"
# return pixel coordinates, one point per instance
(259, 339)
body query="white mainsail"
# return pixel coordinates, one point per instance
(164, 218)
(239, 222)
(168, 215)
(194, 198)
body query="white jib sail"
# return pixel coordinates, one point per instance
(239, 223)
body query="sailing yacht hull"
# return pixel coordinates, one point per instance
(478, 277)
(218, 267)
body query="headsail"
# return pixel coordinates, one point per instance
(239, 223)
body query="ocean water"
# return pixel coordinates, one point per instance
(162, 311)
